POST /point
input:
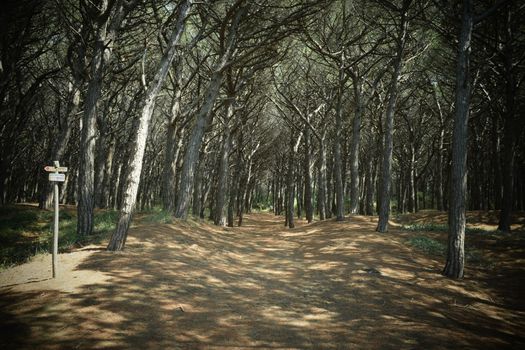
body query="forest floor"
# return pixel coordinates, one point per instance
(326, 285)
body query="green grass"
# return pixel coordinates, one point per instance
(427, 245)
(433, 247)
(441, 228)
(158, 215)
(25, 232)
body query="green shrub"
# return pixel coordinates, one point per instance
(158, 216)
(440, 228)
(428, 245)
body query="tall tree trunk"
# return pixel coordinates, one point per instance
(386, 168)
(191, 156)
(118, 239)
(108, 23)
(197, 190)
(108, 172)
(174, 139)
(86, 184)
(224, 169)
(321, 191)
(290, 188)
(338, 161)
(308, 206)
(458, 185)
(61, 140)
(174, 136)
(354, 148)
(508, 127)
(100, 160)
(441, 150)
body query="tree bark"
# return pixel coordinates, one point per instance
(308, 206)
(508, 127)
(107, 25)
(338, 162)
(354, 148)
(191, 157)
(61, 141)
(386, 169)
(174, 136)
(455, 262)
(321, 191)
(224, 169)
(118, 239)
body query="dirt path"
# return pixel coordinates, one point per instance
(326, 285)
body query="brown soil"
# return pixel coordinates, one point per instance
(327, 285)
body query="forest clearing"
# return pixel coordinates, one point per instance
(325, 285)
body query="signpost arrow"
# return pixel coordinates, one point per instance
(53, 169)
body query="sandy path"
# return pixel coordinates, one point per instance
(326, 285)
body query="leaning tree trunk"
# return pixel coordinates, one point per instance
(191, 156)
(386, 169)
(458, 185)
(118, 239)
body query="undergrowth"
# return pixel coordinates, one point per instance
(436, 248)
(441, 228)
(25, 232)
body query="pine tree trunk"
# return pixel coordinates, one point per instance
(508, 127)
(107, 27)
(338, 161)
(191, 156)
(354, 149)
(308, 206)
(222, 182)
(321, 191)
(454, 266)
(86, 184)
(118, 239)
(174, 140)
(386, 168)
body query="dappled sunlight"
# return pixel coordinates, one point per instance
(327, 285)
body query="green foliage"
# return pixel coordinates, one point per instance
(428, 245)
(158, 215)
(441, 228)
(25, 232)
(426, 228)
(433, 247)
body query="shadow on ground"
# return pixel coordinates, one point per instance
(327, 285)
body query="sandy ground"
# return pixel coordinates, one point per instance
(327, 285)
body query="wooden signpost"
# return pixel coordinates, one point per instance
(55, 176)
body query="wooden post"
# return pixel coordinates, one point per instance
(55, 226)
(55, 176)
